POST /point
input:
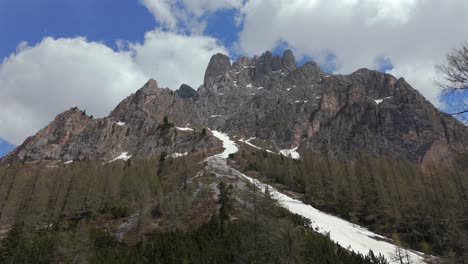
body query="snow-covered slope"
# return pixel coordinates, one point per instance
(346, 234)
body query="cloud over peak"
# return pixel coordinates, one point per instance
(413, 35)
(38, 82)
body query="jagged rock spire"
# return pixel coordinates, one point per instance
(289, 61)
(219, 65)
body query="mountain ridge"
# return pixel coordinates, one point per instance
(268, 97)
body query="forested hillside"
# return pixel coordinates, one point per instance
(425, 209)
(149, 211)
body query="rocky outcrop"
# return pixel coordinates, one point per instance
(50, 141)
(218, 66)
(266, 97)
(186, 91)
(289, 61)
(135, 126)
(381, 115)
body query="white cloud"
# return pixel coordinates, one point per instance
(41, 81)
(186, 15)
(162, 11)
(201, 7)
(413, 34)
(174, 59)
(38, 82)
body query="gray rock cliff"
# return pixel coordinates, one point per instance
(267, 97)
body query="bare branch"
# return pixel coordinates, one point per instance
(452, 77)
(459, 113)
(453, 73)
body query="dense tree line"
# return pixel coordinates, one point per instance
(62, 201)
(425, 208)
(280, 238)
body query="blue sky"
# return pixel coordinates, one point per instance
(106, 21)
(103, 20)
(75, 47)
(5, 147)
(26, 20)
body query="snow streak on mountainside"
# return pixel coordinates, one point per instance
(344, 233)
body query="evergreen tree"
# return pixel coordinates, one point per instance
(225, 204)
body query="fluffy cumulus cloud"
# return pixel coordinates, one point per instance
(413, 35)
(38, 82)
(175, 59)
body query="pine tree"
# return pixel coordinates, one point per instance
(225, 202)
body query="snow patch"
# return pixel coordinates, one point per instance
(215, 116)
(252, 145)
(249, 85)
(124, 156)
(120, 123)
(185, 128)
(248, 142)
(177, 155)
(260, 88)
(379, 101)
(291, 153)
(297, 101)
(228, 145)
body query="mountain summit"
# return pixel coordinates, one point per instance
(282, 105)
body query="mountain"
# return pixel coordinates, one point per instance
(282, 105)
(266, 162)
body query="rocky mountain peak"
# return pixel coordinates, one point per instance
(219, 65)
(185, 91)
(151, 84)
(50, 141)
(267, 62)
(267, 97)
(288, 60)
(246, 70)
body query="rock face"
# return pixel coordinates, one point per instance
(218, 66)
(186, 91)
(266, 97)
(135, 126)
(289, 61)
